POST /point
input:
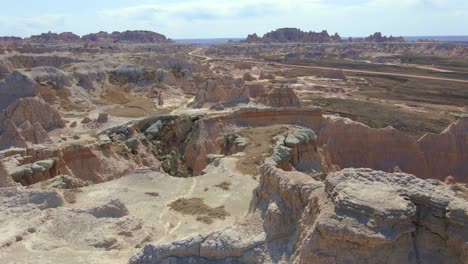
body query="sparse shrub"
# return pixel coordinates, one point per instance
(196, 206)
(70, 195)
(154, 194)
(225, 185)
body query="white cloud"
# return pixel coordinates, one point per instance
(208, 10)
(228, 18)
(20, 26)
(407, 3)
(208, 18)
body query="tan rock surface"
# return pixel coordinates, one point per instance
(355, 215)
(35, 134)
(281, 97)
(34, 110)
(352, 144)
(11, 136)
(5, 178)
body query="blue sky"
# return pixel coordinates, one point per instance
(223, 18)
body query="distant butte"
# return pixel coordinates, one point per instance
(129, 36)
(295, 35)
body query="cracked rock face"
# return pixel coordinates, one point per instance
(32, 110)
(354, 216)
(43, 217)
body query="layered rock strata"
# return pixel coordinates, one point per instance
(355, 215)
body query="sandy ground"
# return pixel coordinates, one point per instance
(170, 225)
(152, 212)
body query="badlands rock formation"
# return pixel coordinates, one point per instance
(284, 35)
(48, 37)
(377, 37)
(351, 144)
(355, 215)
(11, 136)
(155, 152)
(135, 36)
(291, 35)
(5, 179)
(231, 92)
(280, 97)
(14, 86)
(32, 110)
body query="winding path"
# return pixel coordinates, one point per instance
(196, 53)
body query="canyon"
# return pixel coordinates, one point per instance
(126, 147)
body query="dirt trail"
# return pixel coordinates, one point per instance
(196, 53)
(171, 228)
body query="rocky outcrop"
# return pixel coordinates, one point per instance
(38, 171)
(352, 144)
(375, 215)
(285, 35)
(214, 90)
(266, 76)
(129, 36)
(343, 143)
(108, 159)
(136, 36)
(35, 133)
(446, 153)
(230, 92)
(377, 37)
(166, 77)
(89, 76)
(14, 86)
(11, 136)
(49, 37)
(130, 73)
(10, 39)
(32, 110)
(50, 76)
(5, 178)
(101, 161)
(297, 150)
(355, 215)
(169, 135)
(280, 97)
(208, 136)
(4, 70)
